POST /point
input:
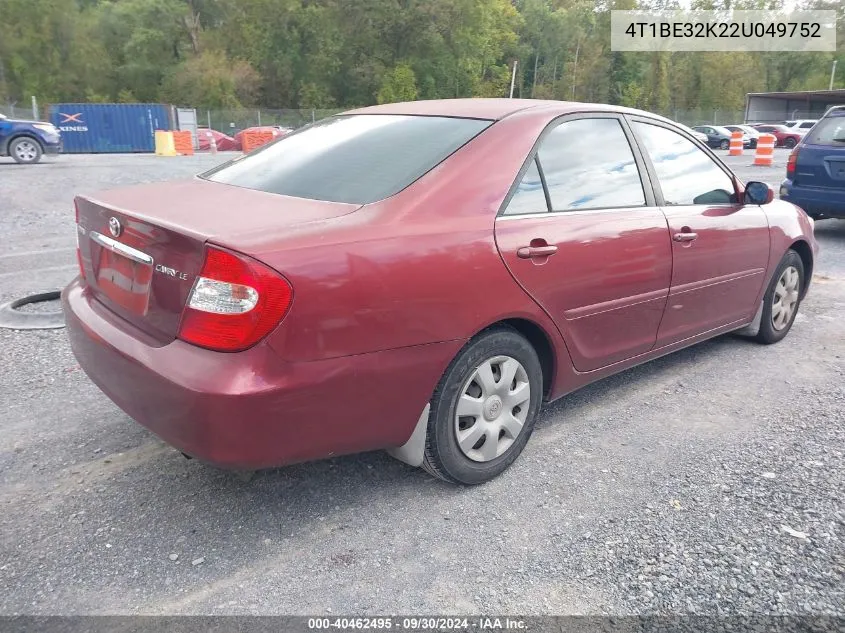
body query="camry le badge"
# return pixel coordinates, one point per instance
(171, 272)
(114, 227)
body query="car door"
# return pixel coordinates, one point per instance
(720, 247)
(581, 233)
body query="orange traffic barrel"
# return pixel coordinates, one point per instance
(765, 154)
(736, 144)
(183, 142)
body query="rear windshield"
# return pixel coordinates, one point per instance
(355, 158)
(829, 131)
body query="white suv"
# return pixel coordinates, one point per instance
(802, 125)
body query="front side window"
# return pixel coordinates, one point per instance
(588, 164)
(355, 158)
(686, 174)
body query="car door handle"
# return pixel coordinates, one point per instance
(685, 237)
(527, 252)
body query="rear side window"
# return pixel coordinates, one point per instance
(356, 159)
(829, 131)
(588, 164)
(529, 197)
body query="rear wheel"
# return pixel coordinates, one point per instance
(25, 150)
(789, 143)
(484, 408)
(782, 298)
(725, 144)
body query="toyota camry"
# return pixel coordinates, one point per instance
(421, 277)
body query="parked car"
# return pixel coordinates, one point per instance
(27, 141)
(277, 131)
(784, 136)
(421, 277)
(698, 135)
(719, 137)
(800, 124)
(224, 142)
(815, 170)
(746, 130)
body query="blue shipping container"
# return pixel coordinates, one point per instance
(94, 128)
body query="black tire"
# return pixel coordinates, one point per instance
(789, 143)
(443, 456)
(768, 333)
(25, 150)
(724, 144)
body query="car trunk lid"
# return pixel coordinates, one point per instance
(820, 166)
(821, 156)
(142, 247)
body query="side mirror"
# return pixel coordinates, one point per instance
(758, 193)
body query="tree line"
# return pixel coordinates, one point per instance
(337, 53)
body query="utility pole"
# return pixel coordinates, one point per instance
(832, 75)
(513, 77)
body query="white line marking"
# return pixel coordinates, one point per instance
(38, 252)
(39, 270)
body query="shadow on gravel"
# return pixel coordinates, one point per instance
(830, 228)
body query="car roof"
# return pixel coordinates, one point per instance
(491, 108)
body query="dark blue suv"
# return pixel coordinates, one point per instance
(27, 141)
(815, 171)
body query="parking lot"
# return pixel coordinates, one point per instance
(709, 481)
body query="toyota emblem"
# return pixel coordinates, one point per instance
(114, 227)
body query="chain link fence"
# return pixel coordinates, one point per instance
(705, 116)
(17, 111)
(232, 121)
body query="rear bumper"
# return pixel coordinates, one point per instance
(815, 201)
(252, 409)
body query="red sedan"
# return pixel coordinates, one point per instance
(784, 136)
(420, 277)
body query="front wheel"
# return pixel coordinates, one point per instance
(782, 298)
(484, 408)
(725, 144)
(789, 143)
(25, 150)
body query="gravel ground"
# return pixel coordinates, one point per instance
(706, 482)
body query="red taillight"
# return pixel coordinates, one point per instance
(790, 163)
(78, 251)
(235, 302)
